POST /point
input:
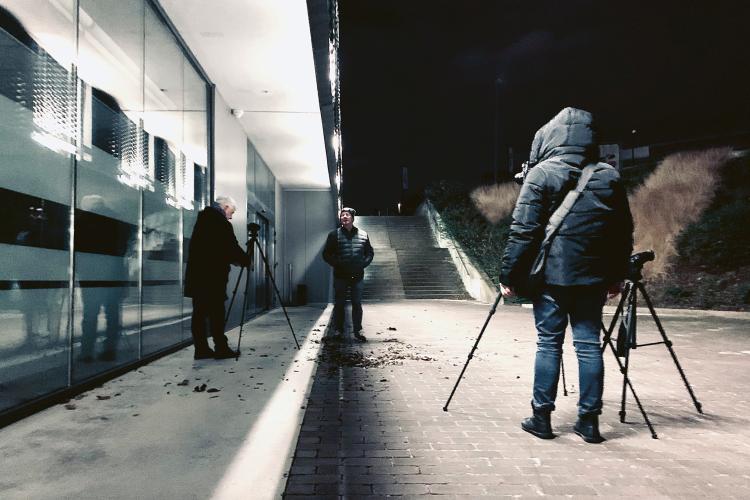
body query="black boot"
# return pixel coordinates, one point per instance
(225, 352)
(539, 424)
(587, 427)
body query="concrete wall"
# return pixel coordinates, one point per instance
(309, 216)
(230, 173)
(302, 220)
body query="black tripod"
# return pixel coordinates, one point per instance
(252, 243)
(471, 354)
(626, 336)
(476, 344)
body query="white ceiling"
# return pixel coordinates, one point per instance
(259, 55)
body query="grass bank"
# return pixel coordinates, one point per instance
(691, 208)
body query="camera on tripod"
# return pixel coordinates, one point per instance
(252, 230)
(521, 176)
(635, 265)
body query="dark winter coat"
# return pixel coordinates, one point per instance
(213, 247)
(594, 241)
(348, 252)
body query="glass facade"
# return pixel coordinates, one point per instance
(261, 202)
(103, 167)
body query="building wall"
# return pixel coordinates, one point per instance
(309, 218)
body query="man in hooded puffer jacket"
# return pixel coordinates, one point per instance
(587, 260)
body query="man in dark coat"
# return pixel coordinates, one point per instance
(213, 247)
(588, 258)
(349, 252)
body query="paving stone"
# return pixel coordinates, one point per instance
(393, 437)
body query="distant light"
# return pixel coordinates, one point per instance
(633, 131)
(399, 207)
(332, 67)
(335, 142)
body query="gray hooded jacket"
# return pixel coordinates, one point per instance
(594, 241)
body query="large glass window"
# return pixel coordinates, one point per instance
(195, 145)
(162, 234)
(260, 209)
(109, 174)
(37, 139)
(104, 147)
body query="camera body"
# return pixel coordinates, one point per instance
(521, 176)
(252, 230)
(635, 265)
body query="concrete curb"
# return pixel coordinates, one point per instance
(267, 453)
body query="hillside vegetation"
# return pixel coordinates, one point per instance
(691, 209)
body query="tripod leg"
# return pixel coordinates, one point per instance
(471, 353)
(242, 316)
(234, 294)
(625, 380)
(276, 289)
(608, 332)
(668, 343)
(632, 389)
(632, 303)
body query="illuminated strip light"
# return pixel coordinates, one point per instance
(332, 67)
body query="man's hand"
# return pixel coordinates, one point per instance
(506, 291)
(614, 290)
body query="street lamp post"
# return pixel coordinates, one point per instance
(496, 138)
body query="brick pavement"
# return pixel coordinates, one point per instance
(380, 431)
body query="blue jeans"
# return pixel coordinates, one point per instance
(583, 305)
(340, 285)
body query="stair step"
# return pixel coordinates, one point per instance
(408, 263)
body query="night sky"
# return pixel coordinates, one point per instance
(420, 81)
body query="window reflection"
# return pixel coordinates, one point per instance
(128, 125)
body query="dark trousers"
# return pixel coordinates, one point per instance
(208, 311)
(340, 286)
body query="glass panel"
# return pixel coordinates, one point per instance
(162, 231)
(195, 145)
(37, 137)
(110, 173)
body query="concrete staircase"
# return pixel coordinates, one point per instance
(408, 263)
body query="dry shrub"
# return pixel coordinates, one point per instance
(496, 202)
(670, 199)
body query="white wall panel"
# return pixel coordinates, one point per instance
(231, 170)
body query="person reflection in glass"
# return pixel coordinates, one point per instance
(40, 303)
(96, 298)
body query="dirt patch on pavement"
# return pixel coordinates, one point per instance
(370, 354)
